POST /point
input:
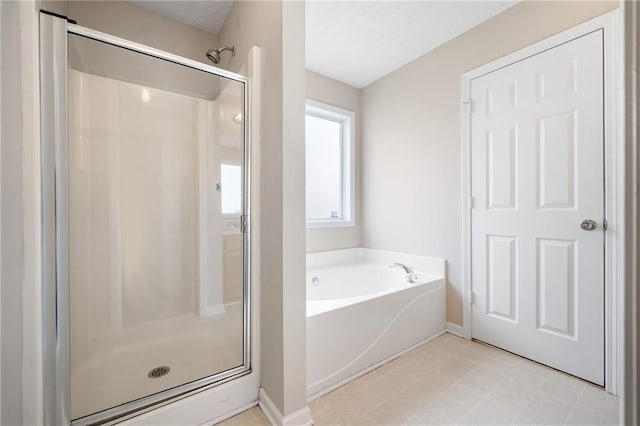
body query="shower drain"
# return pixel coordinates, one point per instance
(158, 372)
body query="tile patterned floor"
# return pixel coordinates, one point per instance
(454, 381)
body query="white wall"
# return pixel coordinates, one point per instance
(293, 210)
(278, 28)
(248, 24)
(411, 164)
(332, 92)
(133, 23)
(1, 8)
(11, 219)
(631, 392)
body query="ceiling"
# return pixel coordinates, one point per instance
(359, 42)
(208, 15)
(356, 42)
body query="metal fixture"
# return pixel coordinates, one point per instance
(315, 281)
(214, 54)
(158, 372)
(411, 275)
(588, 225)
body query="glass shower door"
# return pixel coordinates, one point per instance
(155, 195)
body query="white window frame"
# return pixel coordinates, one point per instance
(347, 119)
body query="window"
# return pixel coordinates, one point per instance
(231, 189)
(329, 166)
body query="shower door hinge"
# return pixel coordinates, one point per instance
(244, 223)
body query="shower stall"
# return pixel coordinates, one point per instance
(145, 203)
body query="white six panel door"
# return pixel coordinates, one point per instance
(537, 173)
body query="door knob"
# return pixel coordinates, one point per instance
(588, 225)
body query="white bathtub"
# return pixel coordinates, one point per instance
(362, 313)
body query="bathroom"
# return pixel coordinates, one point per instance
(289, 235)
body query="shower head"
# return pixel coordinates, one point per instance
(214, 54)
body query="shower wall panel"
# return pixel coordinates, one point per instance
(134, 202)
(144, 266)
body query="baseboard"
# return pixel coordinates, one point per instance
(271, 412)
(455, 329)
(301, 417)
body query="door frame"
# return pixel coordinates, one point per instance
(613, 172)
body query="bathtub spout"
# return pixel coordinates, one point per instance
(411, 275)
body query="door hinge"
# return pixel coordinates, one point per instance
(244, 223)
(467, 107)
(605, 224)
(472, 203)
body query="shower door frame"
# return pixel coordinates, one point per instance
(54, 31)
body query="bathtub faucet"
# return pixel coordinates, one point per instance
(411, 276)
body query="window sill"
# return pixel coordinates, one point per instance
(320, 224)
